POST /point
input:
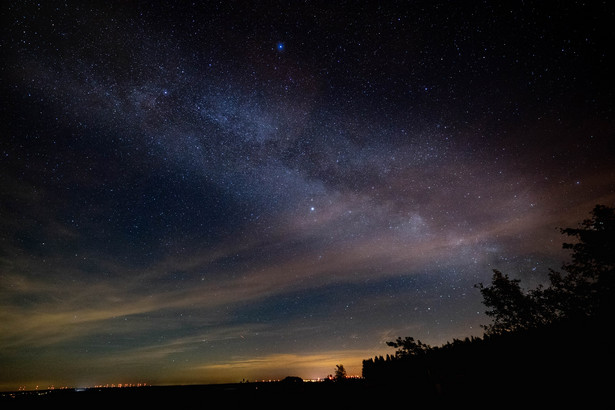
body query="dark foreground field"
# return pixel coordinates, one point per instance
(193, 396)
(303, 395)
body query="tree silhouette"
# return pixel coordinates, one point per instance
(340, 372)
(512, 309)
(408, 347)
(585, 290)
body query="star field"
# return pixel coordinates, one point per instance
(210, 192)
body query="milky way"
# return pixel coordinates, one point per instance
(225, 191)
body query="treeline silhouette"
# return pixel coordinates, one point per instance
(551, 342)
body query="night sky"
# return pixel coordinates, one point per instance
(211, 192)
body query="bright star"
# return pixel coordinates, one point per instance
(280, 46)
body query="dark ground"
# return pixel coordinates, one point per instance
(271, 394)
(302, 395)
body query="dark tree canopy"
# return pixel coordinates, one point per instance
(340, 372)
(585, 289)
(592, 270)
(513, 309)
(408, 347)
